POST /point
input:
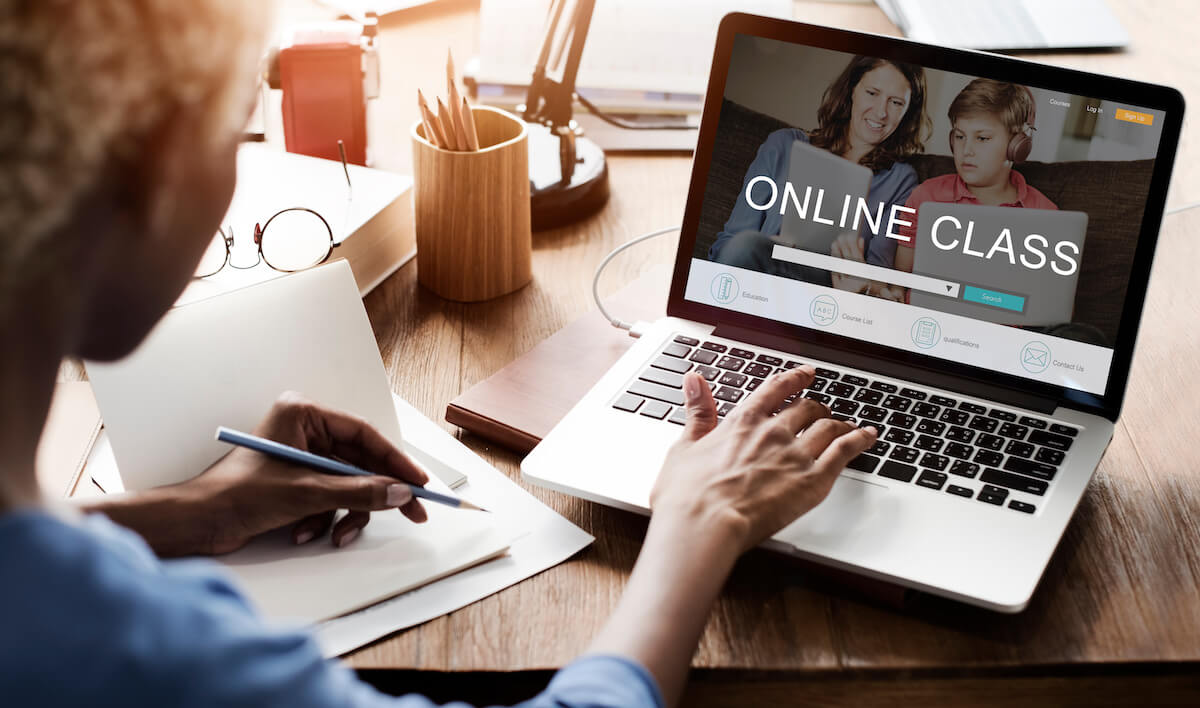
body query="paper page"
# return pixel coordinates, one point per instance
(225, 360)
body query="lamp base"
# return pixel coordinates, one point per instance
(557, 202)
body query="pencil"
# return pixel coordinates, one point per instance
(287, 453)
(452, 101)
(434, 129)
(469, 126)
(453, 134)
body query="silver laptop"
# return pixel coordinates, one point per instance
(991, 433)
(990, 250)
(821, 183)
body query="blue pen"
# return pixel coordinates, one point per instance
(287, 453)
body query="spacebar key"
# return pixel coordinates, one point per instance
(653, 390)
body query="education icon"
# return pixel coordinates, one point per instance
(1035, 357)
(926, 332)
(823, 310)
(724, 288)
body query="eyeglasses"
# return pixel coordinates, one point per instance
(292, 240)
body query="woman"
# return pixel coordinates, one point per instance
(873, 114)
(117, 147)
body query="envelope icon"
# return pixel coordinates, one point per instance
(1035, 356)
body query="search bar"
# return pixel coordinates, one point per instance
(858, 269)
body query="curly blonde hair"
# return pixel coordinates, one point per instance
(83, 81)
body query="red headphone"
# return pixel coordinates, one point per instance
(1021, 144)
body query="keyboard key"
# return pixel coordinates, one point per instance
(942, 401)
(728, 393)
(792, 364)
(843, 406)
(873, 414)
(904, 454)
(714, 347)
(731, 379)
(658, 376)
(754, 383)
(987, 425)
(928, 442)
(895, 470)
(1058, 442)
(854, 380)
(930, 427)
(1033, 422)
(759, 370)
(1007, 416)
(936, 462)
(879, 448)
(827, 373)
(703, 356)
(904, 437)
(931, 480)
(971, 407)
(818, 397)
(914, 394)
(742, 353)
(1019, 449)
(1041, 470)
(897, 403)
(1014, 431)
(991, 442)
(842, 417)
(866, 395)
(1018, 482)
(962, 452)
(960, 491)
(992, 495)
(864, 463)
(686, 340)
(657, 391)
(709, 373)
(724, 409)
(884, 386)
(628, 402)
(902, 420)
(954, 417)
(731, 363)
(880, 430)
(1022, 506)
(988, 457)
(769, 360)
(677, 350)
(839, 389)
(655, 409)
(961, 435)
(1049, 456)
(1063, 430)
(670, 363)
(818, 384)
(926, 410)
(963, 468)
(679, 417)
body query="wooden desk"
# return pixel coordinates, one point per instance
(1117, 616)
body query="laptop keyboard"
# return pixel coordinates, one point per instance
(939, 442)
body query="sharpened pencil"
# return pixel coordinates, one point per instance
(469, 126)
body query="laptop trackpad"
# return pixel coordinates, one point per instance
(856, 512)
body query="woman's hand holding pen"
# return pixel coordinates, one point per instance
(245, 493)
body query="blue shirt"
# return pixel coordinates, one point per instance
(890, 186)
(90, 616)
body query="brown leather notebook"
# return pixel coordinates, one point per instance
(517, 406)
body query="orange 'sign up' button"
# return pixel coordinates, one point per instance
(1135, 117)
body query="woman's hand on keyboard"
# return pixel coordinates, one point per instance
(769, 462)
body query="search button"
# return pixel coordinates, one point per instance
(1005, 301)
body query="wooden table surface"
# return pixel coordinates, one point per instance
(1120, 597)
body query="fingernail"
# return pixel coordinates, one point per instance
(398, 494)
(304, 537)
(872, 430)
(691, 387)
(350, 536)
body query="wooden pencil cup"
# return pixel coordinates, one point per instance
(472, 211)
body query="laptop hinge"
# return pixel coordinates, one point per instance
(900, 370)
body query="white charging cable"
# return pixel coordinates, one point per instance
(634, 328)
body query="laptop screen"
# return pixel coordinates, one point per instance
(979, 221)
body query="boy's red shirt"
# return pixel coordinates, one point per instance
(951, 189)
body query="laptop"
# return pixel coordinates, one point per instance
(1010, 25)
(822, 183)
(1001, 288)
(991, 433)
